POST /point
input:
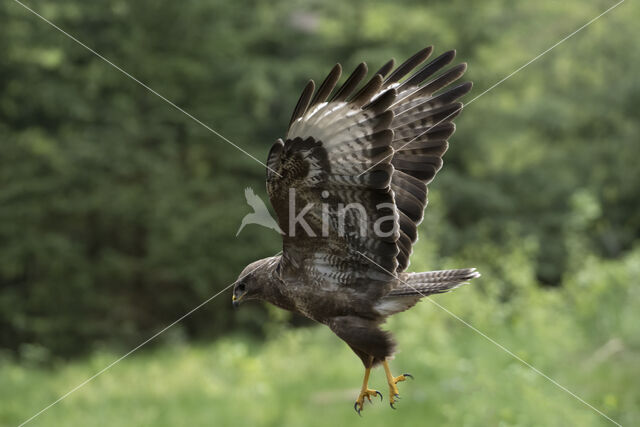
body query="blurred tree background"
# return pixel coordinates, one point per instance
(118, 212)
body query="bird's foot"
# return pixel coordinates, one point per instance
(394, 393)
(368, 394)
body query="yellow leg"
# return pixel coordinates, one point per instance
(365, 391)
(394, 393)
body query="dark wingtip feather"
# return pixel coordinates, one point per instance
(464, 88)
(382, 102)
(351, 83)
(388, 66)
(430, 69)
(411, 63)
(303, 102)
(327, 85)
(447, 97)
(368, 90)
(445, 79)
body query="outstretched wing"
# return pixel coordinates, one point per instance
(422, 125)
(332, 182)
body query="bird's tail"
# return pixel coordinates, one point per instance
(432, 282)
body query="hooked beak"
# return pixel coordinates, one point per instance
(235, 301)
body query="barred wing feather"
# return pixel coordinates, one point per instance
(376, 148)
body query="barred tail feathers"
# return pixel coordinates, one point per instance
(415, 286)
(432, 282)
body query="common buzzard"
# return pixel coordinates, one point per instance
(349, 187)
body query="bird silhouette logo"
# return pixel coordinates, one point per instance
(260, 214)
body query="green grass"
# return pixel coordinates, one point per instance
(584, 336)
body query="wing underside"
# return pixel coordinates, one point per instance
(373, 149)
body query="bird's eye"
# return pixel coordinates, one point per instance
(240, 287)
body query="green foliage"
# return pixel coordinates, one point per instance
(117, 212)
(584, 336)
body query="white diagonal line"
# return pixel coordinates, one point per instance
(186, 113)
(121, 358)
(503, 348)
(501, 81)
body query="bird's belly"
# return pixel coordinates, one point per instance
(320, 305)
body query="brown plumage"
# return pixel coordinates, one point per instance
(377, 147)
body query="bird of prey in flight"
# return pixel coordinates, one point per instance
(349, 188)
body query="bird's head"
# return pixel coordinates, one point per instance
(251, 281)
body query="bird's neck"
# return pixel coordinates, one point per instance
(273, 288)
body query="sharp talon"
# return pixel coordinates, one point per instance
(392, 407)
(397, 396)
(355, 407)
(379, 394)
(408, 375)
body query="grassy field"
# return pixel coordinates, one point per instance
(584, 336)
